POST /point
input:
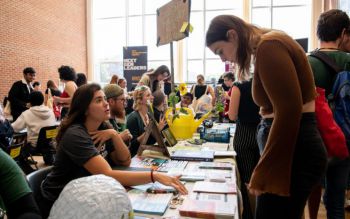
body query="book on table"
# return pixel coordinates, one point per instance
(216, 165)
(148, 203)
(190, 155)
(209, 206)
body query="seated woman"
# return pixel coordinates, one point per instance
(87, 146)
(139, 119)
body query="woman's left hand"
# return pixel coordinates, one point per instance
(102, 136)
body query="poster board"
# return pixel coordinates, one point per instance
(134, 63)
(171, 21)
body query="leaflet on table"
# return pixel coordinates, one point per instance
(148, 203)
(155, 185)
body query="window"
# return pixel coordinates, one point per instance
(285, 15)
(119, 23)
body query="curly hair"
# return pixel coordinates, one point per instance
(67, 73)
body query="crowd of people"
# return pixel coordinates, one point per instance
(281, 157)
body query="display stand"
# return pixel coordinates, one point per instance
(152, 128)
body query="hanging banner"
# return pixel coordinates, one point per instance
(135, 64)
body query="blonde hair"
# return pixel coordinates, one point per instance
(138, 95)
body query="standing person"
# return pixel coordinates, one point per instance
(50, 92)
(81, 79)
(202, 102)
(293, 157)
(88, 146)
(114, 79)
(139, 119)
(229, 79)
(117, 102)
(245, 112)
(154, 79)
(332, 27)
(19, 93)
(68, 77)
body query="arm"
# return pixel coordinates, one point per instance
(19, 124)
(212, 94)
(121, 154)
(234, 103)
(45, 99)
(98, 165)
(279, 79)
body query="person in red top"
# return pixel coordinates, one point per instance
(293, 157)
(229, 78)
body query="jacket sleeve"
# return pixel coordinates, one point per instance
(278, 76)
(14, 92)
(19, 124)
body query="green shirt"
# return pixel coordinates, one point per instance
(13, 184)
(322, 75)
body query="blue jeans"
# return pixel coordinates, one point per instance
(335, 187)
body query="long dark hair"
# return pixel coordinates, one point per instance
(77, 111)
(218, 29)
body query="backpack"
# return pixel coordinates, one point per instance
(339, 98)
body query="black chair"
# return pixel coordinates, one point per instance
(35, 178)
(46, 144)
(18, 151)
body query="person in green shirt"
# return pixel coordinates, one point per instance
(332, 28)
(16, 197)
(116, 100)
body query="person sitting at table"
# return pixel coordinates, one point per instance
(139, 119)
(36, 117)
(88, 146)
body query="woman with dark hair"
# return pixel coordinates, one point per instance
(89, 146)
(81, 79)
(68, 77)
(154, 79)
(293, 157)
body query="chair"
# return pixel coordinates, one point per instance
(35, 178)
(18, 151)
(46, 144)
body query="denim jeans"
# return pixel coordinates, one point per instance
(309, 164)
(335, 187)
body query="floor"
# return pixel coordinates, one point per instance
(321, 212)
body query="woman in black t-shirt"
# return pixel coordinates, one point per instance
(85, 146)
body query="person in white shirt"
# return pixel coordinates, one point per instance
(36, 117)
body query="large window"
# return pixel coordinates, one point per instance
(118, 23)
(291, 16)
(199, 59)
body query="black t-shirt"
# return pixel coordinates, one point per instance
(248, 111)
(74, 150)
